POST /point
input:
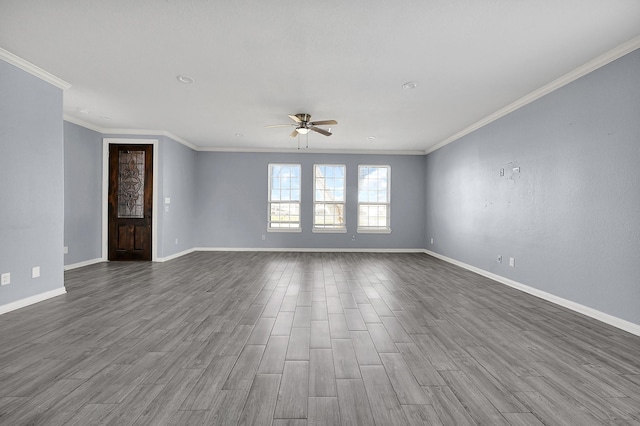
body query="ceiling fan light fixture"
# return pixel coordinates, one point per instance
(410, 85)
(185, 79)
(302, 130)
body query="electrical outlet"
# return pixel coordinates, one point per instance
(432, 241)
(5, 279)
(512, 262)
(353, 237)
(501, 172)
(264, 237)
(499, 259)
(35, 272)
(176, 241)
(65, 250)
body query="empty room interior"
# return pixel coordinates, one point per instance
(320, 213)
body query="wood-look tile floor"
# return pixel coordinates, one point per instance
(308, 338)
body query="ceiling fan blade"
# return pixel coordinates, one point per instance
(294, 133)
(323, 123)
(295, 118)
(280, 125)
(321, 131)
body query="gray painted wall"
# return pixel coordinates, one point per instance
(82, 194)
(31, 184)
(177, 175)
(571, 217)
(231, 204)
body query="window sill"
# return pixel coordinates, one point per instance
(284, 229)
(373, 231)
(329, 231)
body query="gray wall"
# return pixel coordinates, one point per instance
(231, 205)
(177, 181)
(31, 184)
(571, 217)
(82, 194)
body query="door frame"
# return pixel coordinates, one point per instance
(105, 193)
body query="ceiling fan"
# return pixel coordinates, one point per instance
(304, 125)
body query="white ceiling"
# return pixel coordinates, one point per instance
(254, 62)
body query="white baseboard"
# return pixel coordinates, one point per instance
(85, 263)
(175, 255)
(314, 250)
(576, 307)
(31, 300)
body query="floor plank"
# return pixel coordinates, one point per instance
(294, 390)
(322, 377)
(261, 401)
(353, 402)
(382, 398)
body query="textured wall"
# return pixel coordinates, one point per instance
(82, 193)
(31, 184)
(231, 205)
(571, 216)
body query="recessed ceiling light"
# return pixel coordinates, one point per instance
(410, 85)
(185, 79)
(371, 138)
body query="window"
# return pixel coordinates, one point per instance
(284, 197)
(373, 198)
(328, 198)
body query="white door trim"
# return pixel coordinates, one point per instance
(105, 193)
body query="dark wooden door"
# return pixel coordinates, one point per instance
(130, 201)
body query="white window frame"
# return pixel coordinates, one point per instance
(375, 229)
(317, 228)
(270, 201)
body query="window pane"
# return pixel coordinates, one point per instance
(285, 212)
(373, 197)
(329, 215)
(329, 196)
(372, 216)
(284, 202)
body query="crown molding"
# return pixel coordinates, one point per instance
(311, 151)
(121, 132)
(32, 69)
(147, 132)
(581, 71)
(82, 123)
